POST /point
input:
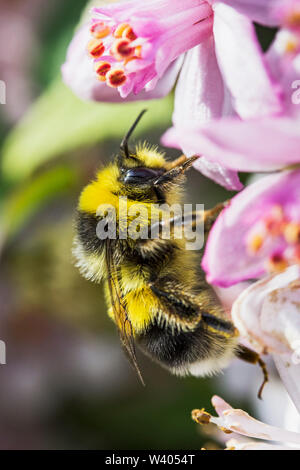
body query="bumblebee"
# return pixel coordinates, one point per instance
(156, 294)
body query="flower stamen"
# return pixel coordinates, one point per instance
(134, 57)
(95, 48)
(292, 232)
(120, 30)
(293, 19)
(277, 263)
(122, 49)
(129, 33)
(275, 222)
(255, 243)
(201, 416)
(102, 68)
(277, 231)
(132, 33)
(100, 30)
(115, 78)
(138, 52)
(291, 46)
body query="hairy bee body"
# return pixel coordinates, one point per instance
(155, 291)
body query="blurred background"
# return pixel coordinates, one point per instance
(66, 384)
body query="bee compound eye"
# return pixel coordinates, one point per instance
(140, 175)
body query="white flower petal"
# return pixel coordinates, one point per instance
(235, 444)
(267, 312)
(240, 422)
(290, 376)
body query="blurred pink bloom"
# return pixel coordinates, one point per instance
(259, 231)
(258, 145)
(287, 12)
(258, 10)
(200, 97)
(223, 76)
(265, 143)
(18, 19)
(241, 423)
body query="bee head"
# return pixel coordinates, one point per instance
(141, 175)
(139, 168)
(146, 171)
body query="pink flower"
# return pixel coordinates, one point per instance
(200, 96)
(264, 143)
(287, 12)
(133, 44)
(79, 74)
(259, 232)
(223, 76)
(259, 11)
(242, 424)
(134, 49)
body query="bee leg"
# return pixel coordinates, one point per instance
(248, 355)
(211, 215)
(193, 218)
(179, 161)
(175, 172)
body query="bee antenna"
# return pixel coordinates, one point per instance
(124, 143)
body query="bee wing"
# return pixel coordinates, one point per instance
(121, 317)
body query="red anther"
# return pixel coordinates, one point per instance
(96, 48)
(293, 19)
(138, 52)
(102, 68)
(100, 30)
(120, 29)
(255, 243)
(129, 33)
(277, 263)
(116, 78)
(121, 49)
(292, 232)
(275, 222)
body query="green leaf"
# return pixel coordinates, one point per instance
(59, 122)
(29, 198)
